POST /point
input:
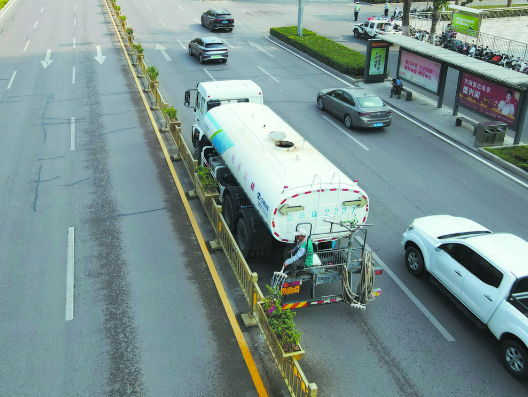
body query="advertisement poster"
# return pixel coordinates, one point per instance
(420, 71)
(377, 61)
(467, 24)
(492, 100)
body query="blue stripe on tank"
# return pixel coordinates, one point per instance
(219, 139)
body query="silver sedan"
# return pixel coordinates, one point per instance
(355, 106)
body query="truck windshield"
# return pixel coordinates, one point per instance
(217, 102)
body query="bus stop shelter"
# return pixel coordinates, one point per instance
(494, 92)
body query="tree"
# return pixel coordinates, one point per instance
(437, 7)
(405, 16)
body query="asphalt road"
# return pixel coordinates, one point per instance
(105, 291)
(392, 349)
(125, 295)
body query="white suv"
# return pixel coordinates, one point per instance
(486, 272)
(376, 26)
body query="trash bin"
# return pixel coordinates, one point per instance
(490, 133)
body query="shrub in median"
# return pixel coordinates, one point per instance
(333, 54)
(516, 155)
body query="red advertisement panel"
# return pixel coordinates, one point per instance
(492, 100)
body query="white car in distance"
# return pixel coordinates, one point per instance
(486, 272)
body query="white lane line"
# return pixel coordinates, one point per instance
(74, 22)
(42, 9)
(209, 74)
(74, 42)
(410, 295)
(11, 81)
(345, 133)
(184, 47)
(75, 8)
(26, 46)
(70, 273)
(226, 42)
(181, 8)
(161, 23)
(148, 8)
(197, 21)
(35, 25)
(311, 63)
(72, 134)
(73, 76)
(483, 161)
(269, 75)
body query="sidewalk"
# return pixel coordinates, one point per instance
(440, 120)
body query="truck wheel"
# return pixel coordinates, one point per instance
(228, 212)
(198, 146)
(414, 261)
(514, 359)
(242, 237)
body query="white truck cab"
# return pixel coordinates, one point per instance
(211, 94)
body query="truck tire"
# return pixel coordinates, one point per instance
(198, 146)
(514, 358)
(242, 237)
(414, 261)
(228, 211)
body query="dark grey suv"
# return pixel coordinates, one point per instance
(208, 49)
(218, 19)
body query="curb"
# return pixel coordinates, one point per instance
(503, 163)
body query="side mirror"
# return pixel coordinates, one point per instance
(187, 99)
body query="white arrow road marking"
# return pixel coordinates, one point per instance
(184, 47)
(255, 45)
(26, 46)
(47, 61)
(162, 50)
(99, 58)
(11, 81)
(72, 134)
(70, 274)
(345, 133)
(269, 75)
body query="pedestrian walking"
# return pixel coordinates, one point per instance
(386, 9)
(357, 7)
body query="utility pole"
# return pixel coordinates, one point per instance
(300, 19)
(405, 17)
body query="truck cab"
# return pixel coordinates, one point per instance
(211, 94)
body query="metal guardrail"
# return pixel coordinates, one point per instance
(422, 21)
(291, 371)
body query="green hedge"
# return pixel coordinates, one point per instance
(3, 3)
(516, 155)
(335, 55)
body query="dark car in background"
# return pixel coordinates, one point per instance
(218, 19)
(357, 107)
(208, 49)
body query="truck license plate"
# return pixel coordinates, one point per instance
(378, 125)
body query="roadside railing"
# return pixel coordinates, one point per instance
(290, 369)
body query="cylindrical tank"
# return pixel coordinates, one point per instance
(288, 181)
